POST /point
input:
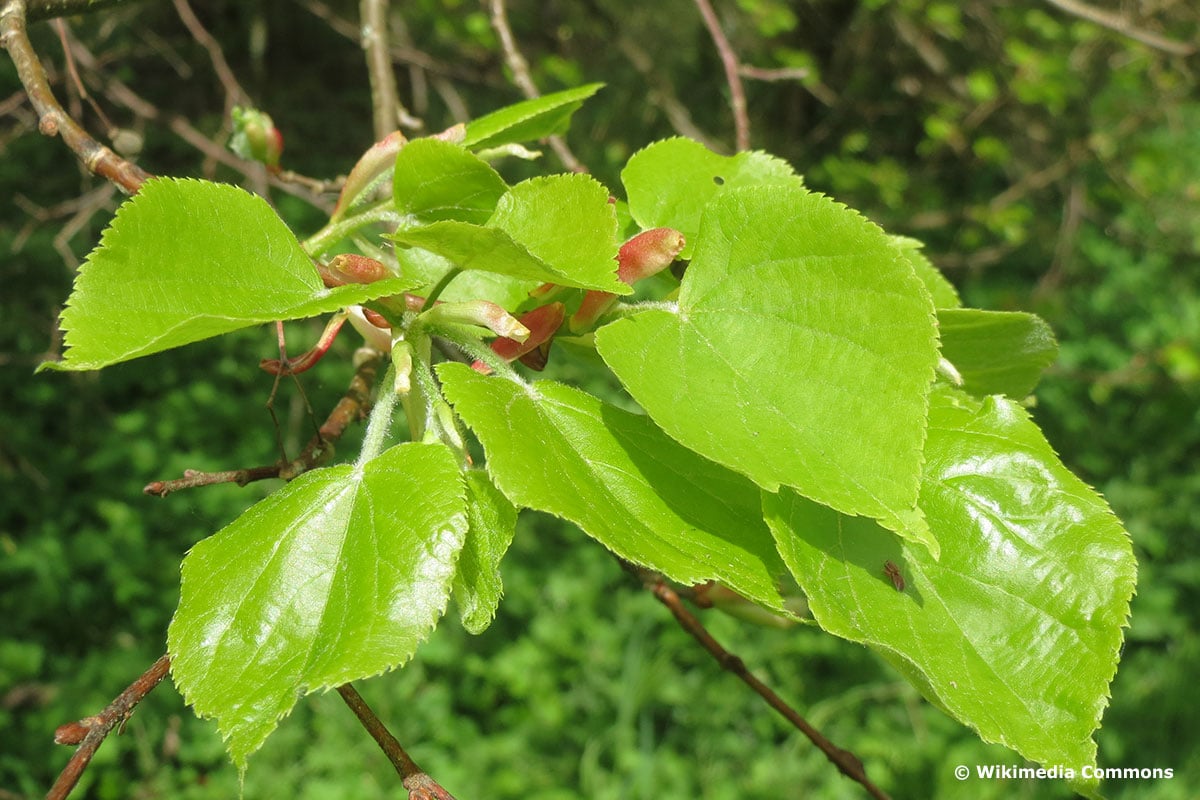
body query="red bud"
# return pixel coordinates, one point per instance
(543, 322)
(642, 256)
(358, 269)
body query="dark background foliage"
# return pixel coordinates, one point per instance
(1050, 166)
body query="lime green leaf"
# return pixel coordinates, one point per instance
(620, 479)
(801, 354)
(185, 260)
(1016, 630)
(477, 584)
(437, 180)
(532, 119)
(337, 576)
(560, 229)
(940, 289)
(997, 352)
(670, 182)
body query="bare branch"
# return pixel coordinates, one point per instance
(52, 119)
(848, 763)
(524, 81)
(353, 404)
(234, 93)
(418, 783)
(385, 103)
(737, 94)
(1121, 25)
(47, 9)
(89, 733)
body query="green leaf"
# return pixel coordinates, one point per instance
(670, 182)
(560, 229)
(1017, 629)
(532, 119)
(620, 479)
(997, 352)
(801, 354)
(477, 584)
(940, 289)
(337, 576)
(185, 260)
(437, 180)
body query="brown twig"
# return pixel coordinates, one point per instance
(353, 404)
(1121, 25)
(419, 784)
(48, 9)
(234, 93)
(387, 109)
(848, 763)
(89, 733)
(52, 119)
(524, 81)
(729, 59)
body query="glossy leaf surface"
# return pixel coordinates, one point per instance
(436, 180)
(801, 354)
(556, 230)
(185, 260)
(1016, 631)
(528, 120)
(477, 584)
(337, 576)
(997, 352)
(620, 479)
(670, 182)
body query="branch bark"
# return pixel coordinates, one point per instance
(48, 9)
(1119, 24)
(52, 119)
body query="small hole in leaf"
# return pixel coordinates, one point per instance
(718, 180)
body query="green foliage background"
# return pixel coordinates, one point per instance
(1049, 165)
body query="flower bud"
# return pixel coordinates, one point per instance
(353, 268)
(255, 136)
(478, 312)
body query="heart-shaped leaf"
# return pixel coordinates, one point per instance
(1016, 631)
(185, 260)
(801, 354)
(337, 576)
(620, 479)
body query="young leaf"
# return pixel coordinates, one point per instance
(185, 260)
(620, 479)
(477, 584)
(560, 229)
(940, 289)
(1016, 631)
(538, 118)
(801, 354)
(437, 180)
(337, 576)
(670, 182)
(997, 352)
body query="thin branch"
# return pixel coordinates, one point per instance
(47, 9)
(418, 783)
(848, 763)
(89, 733)
(385, 102)
(524, 81)
(353, 404)
(737, 94)
(1121, 25)
(234, 93)
(52, 120)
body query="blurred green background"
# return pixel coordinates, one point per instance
(1050, 165)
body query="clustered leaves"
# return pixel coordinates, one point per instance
(819, 411)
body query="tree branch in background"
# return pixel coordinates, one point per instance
(1121, 25)
(729, 59)
(388, 111)
(418, 783)
(848, 763)
(354, 403)
(89, 733)
(46, 9)
(234, 93)
(524, 81)
(52, 119)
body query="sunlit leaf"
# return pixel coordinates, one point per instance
(437, 180)
(620, 479)
(337, 576)
(801, 354)
(997, 352)
(529, 120)
(477, 584)
(185, 260)
(1017, 629)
